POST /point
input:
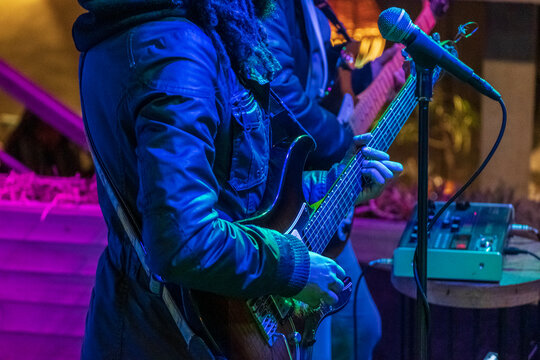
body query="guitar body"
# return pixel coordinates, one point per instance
(273, 327)
(238, 335)
(269, 327)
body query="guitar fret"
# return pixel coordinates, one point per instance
(323, 230)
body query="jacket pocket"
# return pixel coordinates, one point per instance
(251, 143)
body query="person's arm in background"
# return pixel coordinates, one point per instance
(333, 139)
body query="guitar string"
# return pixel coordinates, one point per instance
(408, 103)
(377, 99)
(370, 109)
(356, 171)
(396, 62)
(405, 106)
(345, 195)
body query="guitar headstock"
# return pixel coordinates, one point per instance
(439, 7)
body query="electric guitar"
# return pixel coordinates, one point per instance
(272, 327)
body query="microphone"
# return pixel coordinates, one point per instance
(396, 25)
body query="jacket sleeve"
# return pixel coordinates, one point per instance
(176, 121)
(331, 137)
(361, 78)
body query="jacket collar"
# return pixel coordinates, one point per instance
(106, 18)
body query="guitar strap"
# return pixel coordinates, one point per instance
(347, 103)
(317, 50)
(327, 10)
(196, 346)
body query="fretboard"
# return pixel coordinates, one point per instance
(334, 207)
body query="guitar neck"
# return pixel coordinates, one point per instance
(372, 99)
(325, 220)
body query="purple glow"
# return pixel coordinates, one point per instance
(42, 104)
(13, 163)
(48, 257)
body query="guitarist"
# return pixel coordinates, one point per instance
(299, 36)
(168, 96)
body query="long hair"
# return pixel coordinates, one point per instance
(237, 31)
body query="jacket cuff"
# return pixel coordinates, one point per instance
(333, 174)
(294, 265)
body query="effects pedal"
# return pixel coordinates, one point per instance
(466, 243)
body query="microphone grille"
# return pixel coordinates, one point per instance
(394, 24)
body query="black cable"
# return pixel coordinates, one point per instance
(516, 251)
(425, 303)
(477, 172)
(532, 254)
(524, 230)
(354, 311)
(449, 202)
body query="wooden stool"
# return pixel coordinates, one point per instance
(520, 284)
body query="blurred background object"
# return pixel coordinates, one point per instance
(43, 149)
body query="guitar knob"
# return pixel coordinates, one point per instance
(296, 337)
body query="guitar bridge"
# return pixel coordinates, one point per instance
(264, 317)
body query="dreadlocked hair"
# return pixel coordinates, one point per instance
(238, 34)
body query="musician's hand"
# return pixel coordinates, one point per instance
(325, 281)
(377, 169)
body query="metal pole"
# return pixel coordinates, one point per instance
(424, 93)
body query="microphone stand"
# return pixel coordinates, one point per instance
(424, 92)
